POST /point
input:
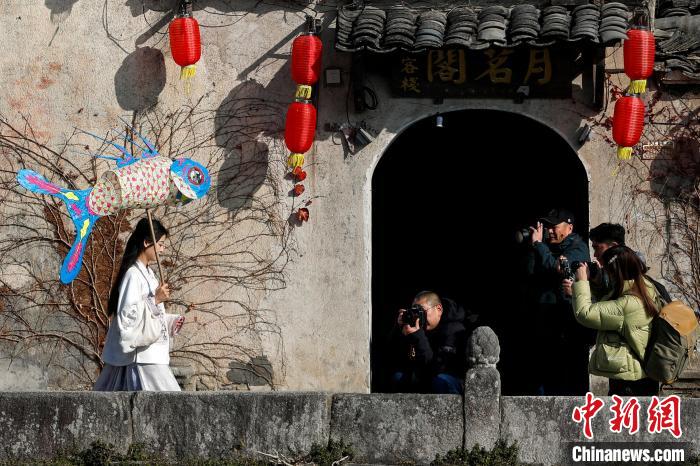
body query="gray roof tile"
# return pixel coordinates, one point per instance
(377, 30)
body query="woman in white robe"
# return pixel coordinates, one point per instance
(137, 350)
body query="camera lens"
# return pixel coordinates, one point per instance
(522, 235)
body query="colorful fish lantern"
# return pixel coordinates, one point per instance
(149, 180)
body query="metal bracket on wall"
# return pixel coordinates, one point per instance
(357, 76)
(593, 77)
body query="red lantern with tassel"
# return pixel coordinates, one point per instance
(628, 123)
(639, 52)
(306, 63)
(185, 44)
(300, 127)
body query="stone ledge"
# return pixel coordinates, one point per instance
(382, 428)
(225, 424)
(398, 428)
(37, 425)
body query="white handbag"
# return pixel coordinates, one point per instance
(150, 327)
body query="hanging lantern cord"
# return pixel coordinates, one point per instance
(313, 25)
(185, 8)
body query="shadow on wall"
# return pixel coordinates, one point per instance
(243, 118)
(140, 79)
(60, 9)
(229, 11)
(223, 6)
(675, 173)
(250, 120)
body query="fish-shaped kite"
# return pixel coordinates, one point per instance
(149, 180)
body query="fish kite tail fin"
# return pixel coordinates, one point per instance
(83, 217)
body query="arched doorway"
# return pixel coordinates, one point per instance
(446, 202)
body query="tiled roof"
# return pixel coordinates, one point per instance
(678, 37)
(403, 28)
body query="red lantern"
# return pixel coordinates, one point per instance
(306, 59)
(639, 51)
(185, 44)
(300, 127)
(628, 122)
(306, 63)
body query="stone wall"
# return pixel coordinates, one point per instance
(87, 64)
(383, 429)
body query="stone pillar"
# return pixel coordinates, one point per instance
(482, 390)
(184, 374)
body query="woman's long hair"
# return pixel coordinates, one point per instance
(134, 246)
(622, 263)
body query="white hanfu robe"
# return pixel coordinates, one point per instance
(131, 364)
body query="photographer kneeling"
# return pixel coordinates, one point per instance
(429, 350)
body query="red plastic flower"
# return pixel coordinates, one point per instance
(303, 214)
(299, 174)
(298, 189)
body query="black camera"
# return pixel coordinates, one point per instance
(523, 235)
(592, 267)
(566, 268)
(411, 314)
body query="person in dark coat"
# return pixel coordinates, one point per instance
(604, 237)
(430, 359)
(561, 345)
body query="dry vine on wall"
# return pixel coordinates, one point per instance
(663, 182)
(224, 251)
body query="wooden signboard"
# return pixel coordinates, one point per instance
(532, 72)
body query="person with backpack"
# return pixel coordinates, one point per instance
(623, 319)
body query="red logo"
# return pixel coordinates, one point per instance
(587, 412)
(661, 415)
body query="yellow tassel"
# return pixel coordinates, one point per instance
(624, 153)
(187, 72)
(303, 92)
(295, 160)
(637, 87)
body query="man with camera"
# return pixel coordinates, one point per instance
(560, 343)
(604, 237)
(429, 351)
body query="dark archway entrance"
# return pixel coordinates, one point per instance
(446, 203)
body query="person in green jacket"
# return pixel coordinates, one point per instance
(623, 320)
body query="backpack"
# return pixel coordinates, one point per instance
(663, 292)
(674, 332)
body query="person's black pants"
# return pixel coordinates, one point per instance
(407, 382)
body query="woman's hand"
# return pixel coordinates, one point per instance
(178, 325)
(162, 293)
(566, 285)
(582, 273)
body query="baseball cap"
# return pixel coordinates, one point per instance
(557, 216)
